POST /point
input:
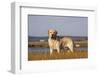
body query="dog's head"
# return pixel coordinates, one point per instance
(52, 33)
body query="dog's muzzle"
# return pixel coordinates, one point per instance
(53, 36)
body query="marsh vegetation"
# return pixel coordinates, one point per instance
(40, 50)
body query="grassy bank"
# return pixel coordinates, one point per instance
(62, 55)
(55, 55)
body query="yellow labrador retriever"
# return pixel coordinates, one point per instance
(52, 41)
(56, 44)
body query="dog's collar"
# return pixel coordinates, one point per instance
(54, 38)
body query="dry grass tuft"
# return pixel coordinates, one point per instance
(55, 55)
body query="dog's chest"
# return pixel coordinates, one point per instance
(53, 44)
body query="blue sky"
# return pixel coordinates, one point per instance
(38, 25)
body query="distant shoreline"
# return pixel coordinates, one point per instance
(82, 43)
(37, 38)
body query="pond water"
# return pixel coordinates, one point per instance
(46, 50)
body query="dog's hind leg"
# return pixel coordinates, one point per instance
(71, 47)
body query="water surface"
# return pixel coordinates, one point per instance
(46, 50)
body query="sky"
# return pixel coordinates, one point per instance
(38, 25)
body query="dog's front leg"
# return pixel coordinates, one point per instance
(58, 47)
(51, 50)
(58, 50)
